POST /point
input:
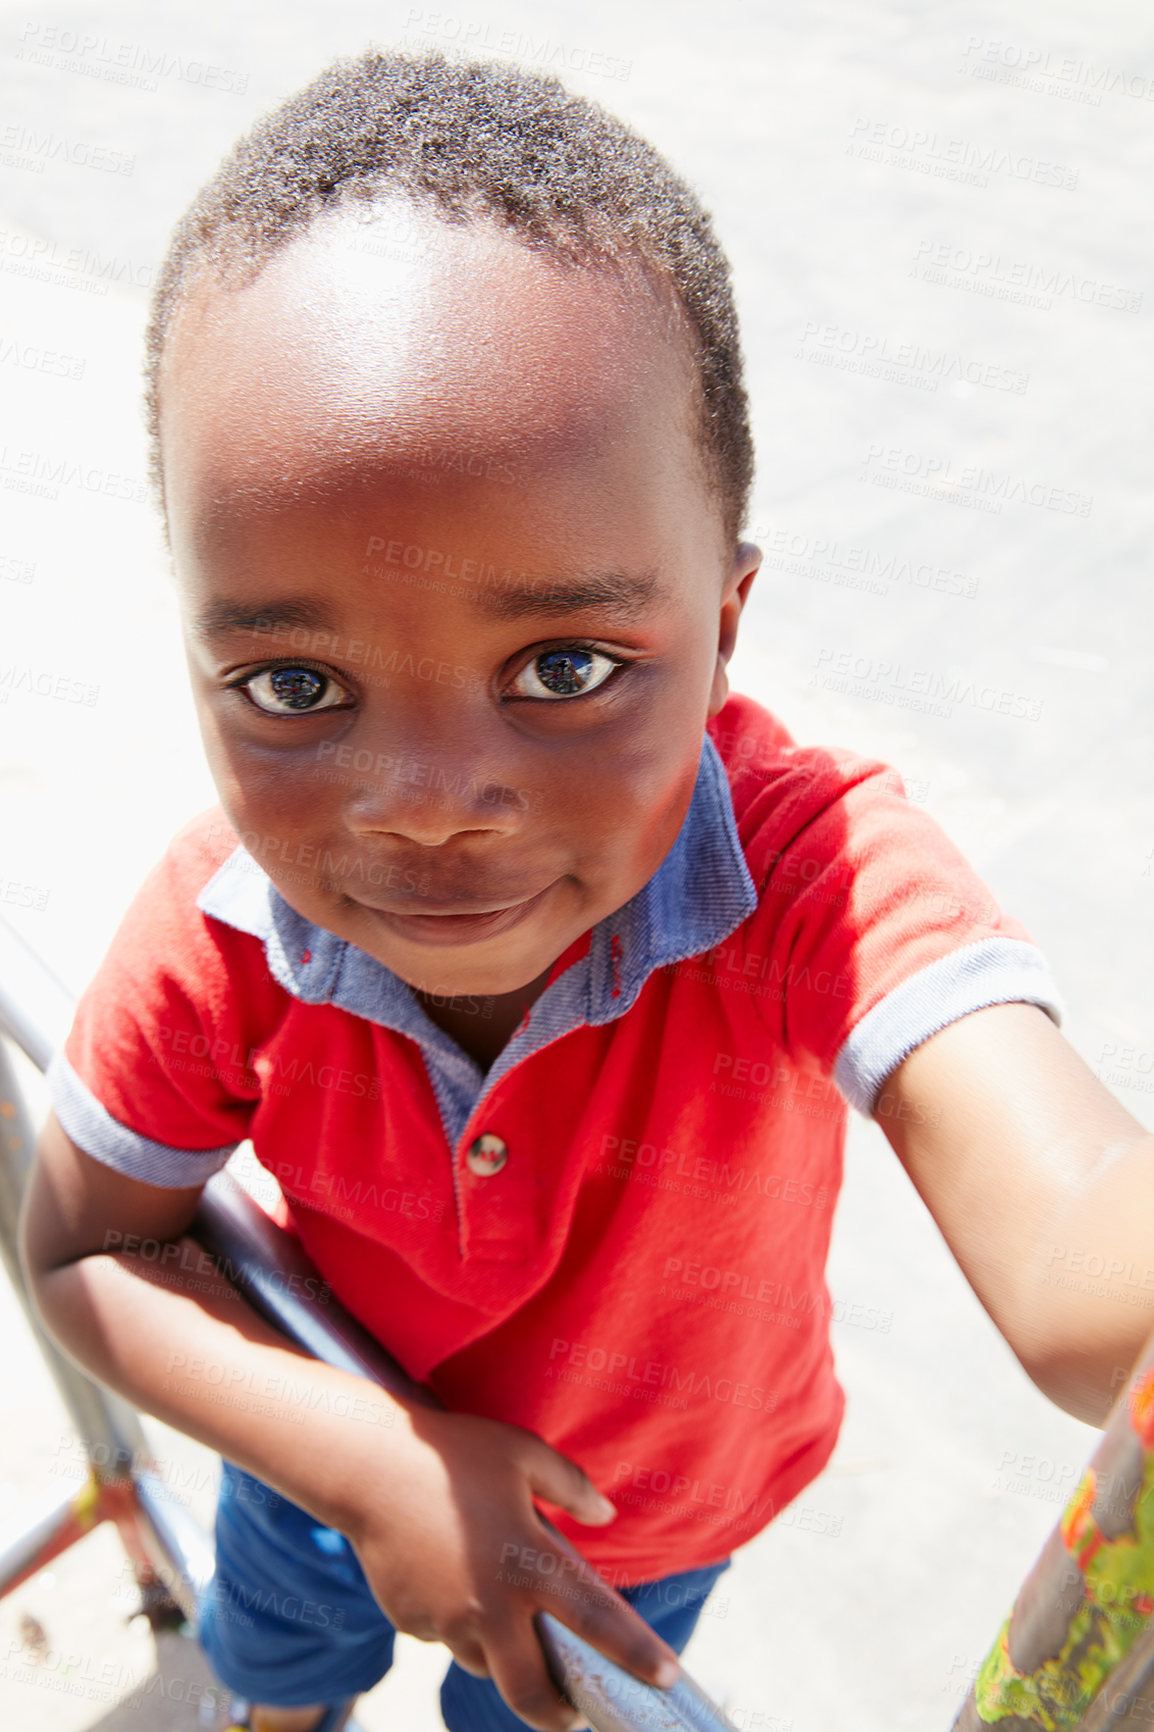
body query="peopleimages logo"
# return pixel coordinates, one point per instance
(430, 27)
(926, 689)
(43, 474)
(113, 60)
(643, 1379)
(1067, 76)
(901, 362)
(850, 565)
(77, 268)
(24, 147)
(926, 151)
(1023, 282)
(967, 484)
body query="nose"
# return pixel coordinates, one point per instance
(429, 791)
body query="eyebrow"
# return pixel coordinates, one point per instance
(220, 618)
(621, 595)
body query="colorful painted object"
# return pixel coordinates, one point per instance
(1079, 1644)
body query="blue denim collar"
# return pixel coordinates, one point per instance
(701, 892)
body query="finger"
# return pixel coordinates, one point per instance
(468, 1653)
(579, 1599)
(518, 1668)
(561, 1482)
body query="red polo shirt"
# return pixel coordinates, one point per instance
(617, 1236)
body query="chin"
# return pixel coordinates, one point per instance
(462, 956)
(442, 974)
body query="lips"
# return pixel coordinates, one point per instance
(456, 926)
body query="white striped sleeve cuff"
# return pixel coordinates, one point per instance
(93, 1129)
(991, 971)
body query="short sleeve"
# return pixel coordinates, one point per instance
(154, 1078)
(872, 932)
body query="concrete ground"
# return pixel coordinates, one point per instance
(938, 221)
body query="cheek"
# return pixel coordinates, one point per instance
(277, 794)
(221, 754)
(629, 807)
(633, 783)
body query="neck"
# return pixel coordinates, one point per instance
(483, 1024)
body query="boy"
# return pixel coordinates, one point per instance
(536, 967)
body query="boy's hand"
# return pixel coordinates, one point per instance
(455, 1552)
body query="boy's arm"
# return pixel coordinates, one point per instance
(1043, 1186)
(431, 1501)
(165, 1329)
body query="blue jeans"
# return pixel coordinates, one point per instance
(289, 1618)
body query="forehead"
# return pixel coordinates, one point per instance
(385, 330)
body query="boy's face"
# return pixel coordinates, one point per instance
(456, 593)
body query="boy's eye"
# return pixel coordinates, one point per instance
(283, 691)
(563, 673)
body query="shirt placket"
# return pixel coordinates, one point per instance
(501, 1183)
(499, 1187)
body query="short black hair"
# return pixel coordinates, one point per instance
(475, 141)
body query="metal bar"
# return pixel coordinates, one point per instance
(249, 1247)
(56, 1524)
(35, 1007)
(613, 1700)
(108, 1427)
(151, 1526)
(154, 1528)
(284, 1287)
(177, 1547)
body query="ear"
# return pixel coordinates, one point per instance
(745, 567)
